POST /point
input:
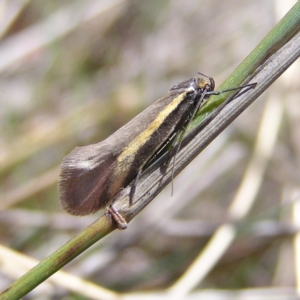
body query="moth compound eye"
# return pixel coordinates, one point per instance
(212, 84)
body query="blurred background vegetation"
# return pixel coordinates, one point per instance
(72, 72)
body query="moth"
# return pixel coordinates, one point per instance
(92, 175)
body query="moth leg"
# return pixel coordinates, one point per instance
(183, 131)
(133, 187)
(172, 139)
(173, 143)
(121, 222)
(153, 159)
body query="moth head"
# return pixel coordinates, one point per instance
(205, 83)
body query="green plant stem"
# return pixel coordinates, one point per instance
(60, 258)
(288, 26)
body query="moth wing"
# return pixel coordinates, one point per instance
(87, 172)
(85, 178)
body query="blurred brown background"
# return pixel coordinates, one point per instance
(72, 72)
